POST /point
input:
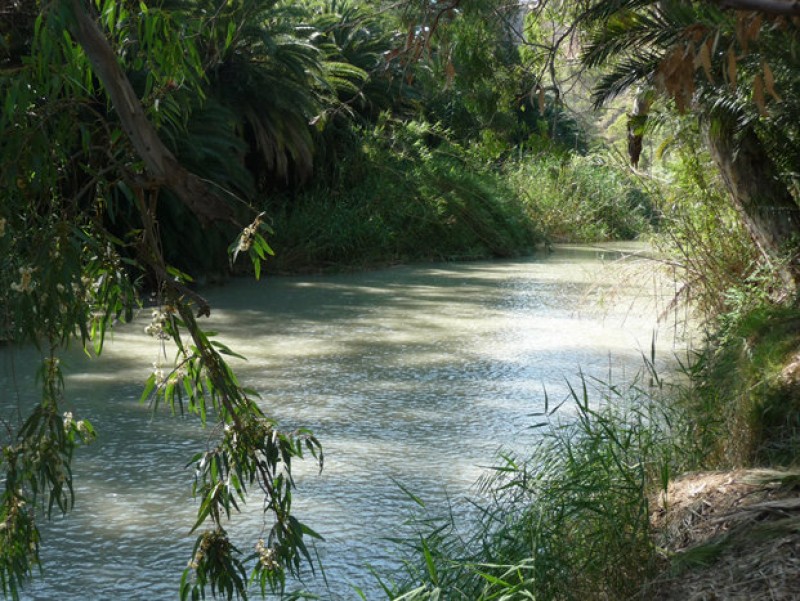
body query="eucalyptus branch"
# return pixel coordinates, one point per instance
(161, 163)
(228, 393)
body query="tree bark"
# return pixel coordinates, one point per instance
(769, 211)
(637, 119)
(162, 166)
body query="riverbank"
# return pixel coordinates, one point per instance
(402, 202)
(667, 488)
(728, 535)
(735, 533)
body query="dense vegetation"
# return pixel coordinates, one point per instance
(147, 144)
(573, 519)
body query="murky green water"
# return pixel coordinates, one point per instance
(415, 374)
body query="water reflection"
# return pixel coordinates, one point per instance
(415, 374)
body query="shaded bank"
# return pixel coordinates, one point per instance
(606, 505)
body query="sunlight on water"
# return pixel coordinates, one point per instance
(415, 374)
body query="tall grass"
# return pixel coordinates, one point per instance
(412, 193)
(578, 198)
(740, 385)
(748, 379)
(571, 518)
(719, 266)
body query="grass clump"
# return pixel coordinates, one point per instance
(571, 520)
(579, 198)
(749, 377)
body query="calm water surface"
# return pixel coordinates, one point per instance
(415, 374)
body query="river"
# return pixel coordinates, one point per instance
(415, 375)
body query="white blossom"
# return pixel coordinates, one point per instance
(26, 282)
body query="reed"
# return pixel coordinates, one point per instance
(578, 198)
(571, 519)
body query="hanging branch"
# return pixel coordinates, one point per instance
(162, 166)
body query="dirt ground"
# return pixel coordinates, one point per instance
(729, 536)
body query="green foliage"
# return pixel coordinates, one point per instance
(38, 476)
(410, 194)
(360, 39)
(63, 275)
(245, 93)
(251, 453)
(735, 389)
(550, 129)
(82, 226)
(571, 518)
(265, 71)
(702, 234)
(583, 199)
(747, 379)
(737, 68)
(466, 70)
(364, 81)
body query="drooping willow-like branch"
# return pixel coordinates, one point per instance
(162, 166)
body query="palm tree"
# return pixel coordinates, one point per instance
(736, 71)
(263, 68)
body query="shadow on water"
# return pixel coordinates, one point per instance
(416, 374)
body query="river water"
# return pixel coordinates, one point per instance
(414, 375)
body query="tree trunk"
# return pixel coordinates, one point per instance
(769, 211)
(162, 166)
(637, 119)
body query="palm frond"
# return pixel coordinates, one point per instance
(625, 74)
(212, 148)
(601, 12)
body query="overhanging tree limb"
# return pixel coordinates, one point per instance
(162, 166)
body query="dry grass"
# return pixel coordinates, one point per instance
(729, 536)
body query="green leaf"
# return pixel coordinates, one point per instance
(306, 530)
(203, 512)
(224, 350)
(149, 386)
(178, 274)
(229, 34)
(408, 493)
(431, 565)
